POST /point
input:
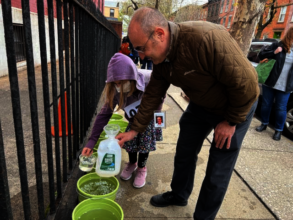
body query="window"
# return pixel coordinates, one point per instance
(229, 21)
(292, 18)
(222, 6)
(19, 42)
(232, 6)
(205, 14)
(227, 6)
(277, 35)
(213, 9)
(282, 14)
(224, 21)
(112, 12)
(269, 15)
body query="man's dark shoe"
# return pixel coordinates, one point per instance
(277, 135)
(261, 128)
(166, 199)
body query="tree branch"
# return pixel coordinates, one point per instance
(157, 4)
(253, 17)
(280, 6)
(272, 15)
(135, 5)
(130, 6)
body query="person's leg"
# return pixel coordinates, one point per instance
(219, 170)
(141, 171)
(193, 130)
(136, 60)
(281, 102)
(143, 62)
(149, 64)
(142, 159)
(131, 166)
(268, 95)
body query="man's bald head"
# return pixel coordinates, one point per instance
(148, 18)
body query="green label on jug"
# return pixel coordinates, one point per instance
(108, 162)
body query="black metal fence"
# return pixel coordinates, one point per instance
(89, 42)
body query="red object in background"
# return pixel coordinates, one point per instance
(60, 118)
(125, 48)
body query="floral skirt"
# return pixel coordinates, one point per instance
(144, 142)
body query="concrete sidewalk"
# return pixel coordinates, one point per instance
(260, 188)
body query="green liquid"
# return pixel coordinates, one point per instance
(99, 214)
(98, 187)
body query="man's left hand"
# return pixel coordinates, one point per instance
(224, 132)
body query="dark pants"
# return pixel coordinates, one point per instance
(281, 100)
(146, 62)
(195, 125)
(142, 158)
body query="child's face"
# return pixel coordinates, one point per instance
(117, 83)
(125, 84)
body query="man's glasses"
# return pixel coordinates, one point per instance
(141, 49)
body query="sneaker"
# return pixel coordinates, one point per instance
(140, 176)
(166, 199)
(126, 174)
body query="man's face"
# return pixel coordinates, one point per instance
(159, 120)
(147, 45)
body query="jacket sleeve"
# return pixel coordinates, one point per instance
(151, 100)
(268, 52)
(220, 56)
(101, 120)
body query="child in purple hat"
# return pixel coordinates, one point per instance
(125, 87)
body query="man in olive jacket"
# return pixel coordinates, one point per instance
(207, 64)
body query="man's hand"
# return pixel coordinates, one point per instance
(87, 151)
(223, 132)
(278, 50)
(127, 136)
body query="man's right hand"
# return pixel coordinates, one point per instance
(127, 136)
(278, 50)
(87, 151)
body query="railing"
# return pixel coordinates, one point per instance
(89, 43)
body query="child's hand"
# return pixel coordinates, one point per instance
(127, 136)
(87, 151)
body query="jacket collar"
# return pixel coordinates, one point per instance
(174, 32)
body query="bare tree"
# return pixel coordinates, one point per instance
(268, 16)
(187, 13)
(166, 7)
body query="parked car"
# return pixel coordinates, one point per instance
(252, 56)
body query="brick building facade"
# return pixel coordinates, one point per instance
(202, 15)
(213, 11)
(227, 12)
(223, 12)
(282, 20)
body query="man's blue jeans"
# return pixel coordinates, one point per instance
(281, 100)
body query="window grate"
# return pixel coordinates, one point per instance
(19, 42)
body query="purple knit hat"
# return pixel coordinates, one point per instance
(121, 67)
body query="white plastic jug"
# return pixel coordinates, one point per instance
(109, 153)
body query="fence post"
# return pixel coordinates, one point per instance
(5, 206)
(16, 108)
